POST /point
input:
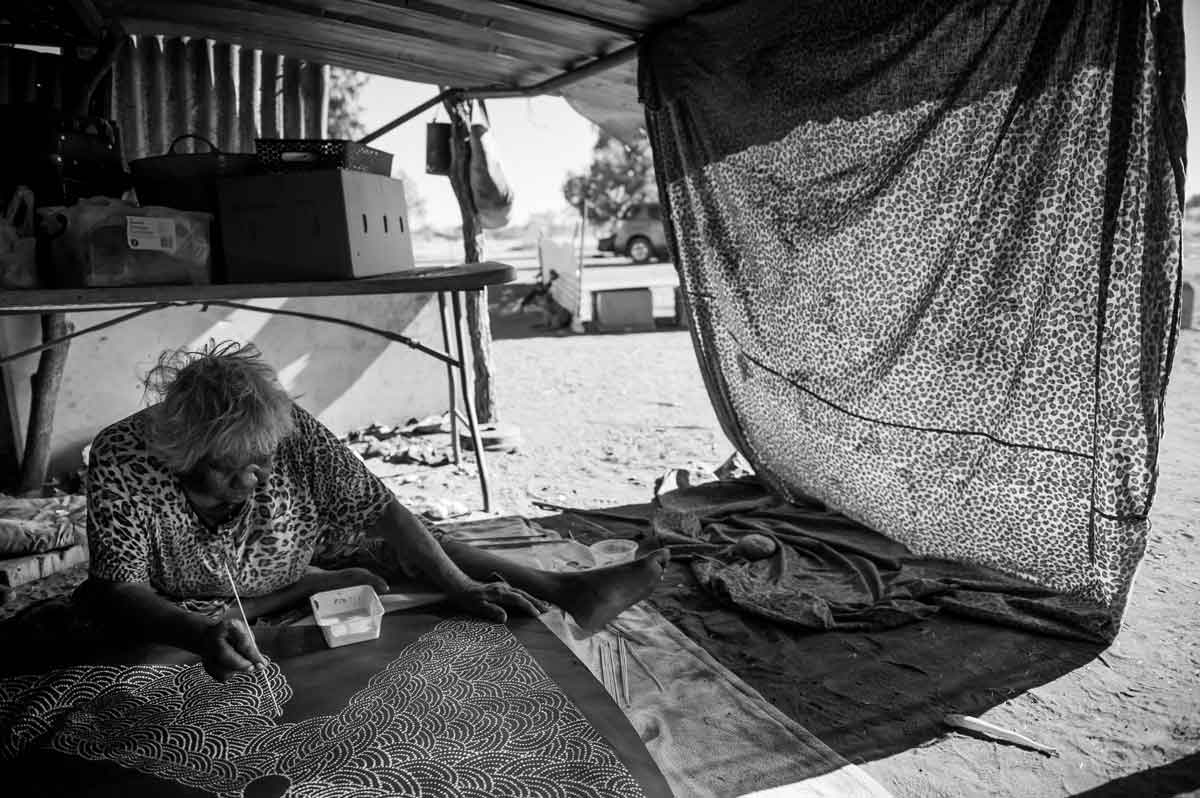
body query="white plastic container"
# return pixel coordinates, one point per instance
(349, 615)
(613, 552)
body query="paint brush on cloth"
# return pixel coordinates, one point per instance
(633, 655)
(614, 666)
(624, 668)
(517, 544)
(242, 610)
(994, 732)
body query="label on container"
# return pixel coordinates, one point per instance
(151, 232)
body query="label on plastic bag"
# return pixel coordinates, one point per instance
(151, 232)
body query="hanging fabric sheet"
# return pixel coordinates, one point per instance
(932, 255)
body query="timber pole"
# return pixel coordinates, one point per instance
(43, 397)
(479, 326)
(45, 383)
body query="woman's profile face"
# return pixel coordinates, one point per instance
(229, 482)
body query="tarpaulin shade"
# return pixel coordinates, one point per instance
(931, 254)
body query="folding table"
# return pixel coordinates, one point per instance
(449, 281)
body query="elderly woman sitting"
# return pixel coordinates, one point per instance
(227, 479)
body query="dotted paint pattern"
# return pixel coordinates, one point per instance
(464, 712)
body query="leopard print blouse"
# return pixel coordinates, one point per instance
(319, 500)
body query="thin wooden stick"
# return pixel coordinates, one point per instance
(515, 544)
(614, 684)
(246, 621)
(624, 667)
(994, 732)
(634, 656)
(603, 673)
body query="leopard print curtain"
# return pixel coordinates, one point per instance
(931, 253)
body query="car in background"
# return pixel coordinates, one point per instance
(638, 232)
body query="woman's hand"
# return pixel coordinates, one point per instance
(317, 580)
(227, 648)
(489, 599)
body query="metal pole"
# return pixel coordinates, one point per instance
(400, 120)
(594, 67)
(550, 85)
(454, 442)
(468, 402)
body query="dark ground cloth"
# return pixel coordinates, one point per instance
(438, 705)
(865, 645)
(834, 573)
(931, 256)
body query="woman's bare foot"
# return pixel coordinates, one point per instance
(593, 598)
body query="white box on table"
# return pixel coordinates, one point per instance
(330, 224)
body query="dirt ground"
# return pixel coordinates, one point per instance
(602, 416)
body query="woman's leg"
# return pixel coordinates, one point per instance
(593, 598)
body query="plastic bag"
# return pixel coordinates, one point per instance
(489, 188)
(96, 243)
(18, 246)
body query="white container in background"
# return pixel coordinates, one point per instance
(349, 615)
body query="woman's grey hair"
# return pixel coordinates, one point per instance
(220, 403)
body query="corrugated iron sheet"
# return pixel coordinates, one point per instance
(164, 87)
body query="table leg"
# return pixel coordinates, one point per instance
(454, 442)
(468, 390)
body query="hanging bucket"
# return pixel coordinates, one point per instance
(437, 148)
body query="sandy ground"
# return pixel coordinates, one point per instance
(603, 415)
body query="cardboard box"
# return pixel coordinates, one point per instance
(333, 224)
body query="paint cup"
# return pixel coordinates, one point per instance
(611, 552)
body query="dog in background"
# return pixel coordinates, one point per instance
(554, 315)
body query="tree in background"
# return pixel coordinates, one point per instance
(345, 103)
(345, 122)
(618, 177)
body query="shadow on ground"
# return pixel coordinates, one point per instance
(1165, 781)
